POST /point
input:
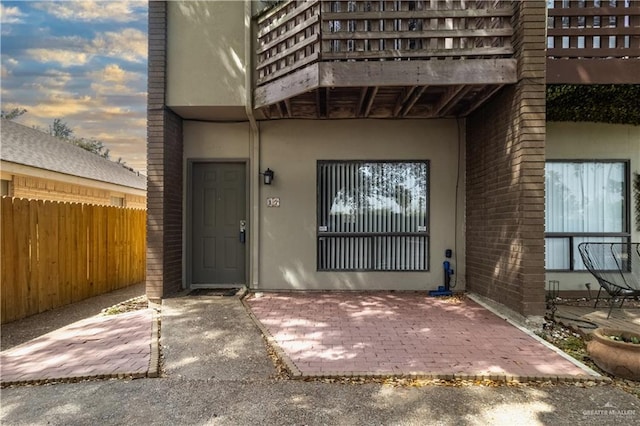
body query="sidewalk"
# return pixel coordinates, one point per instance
(74, 342)
(97, 347)
(218, 372)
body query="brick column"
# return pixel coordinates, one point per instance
(164, 169)
(505, 178)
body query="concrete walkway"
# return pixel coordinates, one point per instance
(337, 334)
(218, 373)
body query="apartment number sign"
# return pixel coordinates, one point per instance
(273, 202)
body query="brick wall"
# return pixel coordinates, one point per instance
(505, 178)
(47, 189)
(164, 169)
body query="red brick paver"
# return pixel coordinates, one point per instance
(97, 346)
(402, 333)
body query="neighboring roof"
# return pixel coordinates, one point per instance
(30, 147)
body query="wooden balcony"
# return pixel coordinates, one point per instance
(595, 41)
(380, 59)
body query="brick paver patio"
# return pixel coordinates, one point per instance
(106, 346)
(402, 333)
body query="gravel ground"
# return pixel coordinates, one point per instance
(575, 345)
(174, 401)
(18, 332)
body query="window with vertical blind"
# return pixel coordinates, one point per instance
(373, 215)
(586, 201)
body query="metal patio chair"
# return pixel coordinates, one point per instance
(616, 266)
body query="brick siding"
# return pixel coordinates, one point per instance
(164, 169)
(505, 178)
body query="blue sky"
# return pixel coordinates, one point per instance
(83, 61)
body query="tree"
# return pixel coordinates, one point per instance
(61, 130)
(91, 145)
(13, 114)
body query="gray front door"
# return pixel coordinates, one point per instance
(218, 213)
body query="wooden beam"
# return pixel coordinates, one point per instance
(419, 14)
(327, 107)
(279, 108)
(417, 73)
(287, 104)
(363, 94)
(287, 86)
(593, 71)
(372, 95)
(318, 101)
(402, 98)
(449, 99)
(412, 101)
(481, 99)
(322, 103)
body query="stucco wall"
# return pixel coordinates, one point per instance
(591, 141)
(205, 53)
(288, 233)
(292, 147)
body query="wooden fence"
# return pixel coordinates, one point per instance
(56, 253)
(300, 32)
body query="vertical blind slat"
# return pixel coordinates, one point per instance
(384, 199)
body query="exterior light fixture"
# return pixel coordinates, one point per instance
(268, 176)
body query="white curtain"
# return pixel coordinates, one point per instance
(582, 197)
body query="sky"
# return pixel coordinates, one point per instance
(82, 61)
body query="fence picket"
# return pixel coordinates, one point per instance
(59, 253)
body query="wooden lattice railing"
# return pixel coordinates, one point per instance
(297, 32)
(593, 29)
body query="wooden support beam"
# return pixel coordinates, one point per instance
(417, 73)
(286, 87)
(321, 103)
(449, 99)
(593, 71)
(412, 101)
(279, 109)
(287, 104)
(327, 95)
(402, 98)
(318, 103)
(363, 94)
(481, 99)
(372, 95)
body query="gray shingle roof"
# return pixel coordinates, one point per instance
(30, 147)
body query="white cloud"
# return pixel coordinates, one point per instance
(53, 79)
(10, 15)
(92, 10)
(65, 105)
(129, 44)
(113, 80)
(66, 58)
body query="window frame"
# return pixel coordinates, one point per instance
(327, 234)
(572, 235)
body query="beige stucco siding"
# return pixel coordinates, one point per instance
(205, 54)
(592, 141)
(215, 140)
(288, 233)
